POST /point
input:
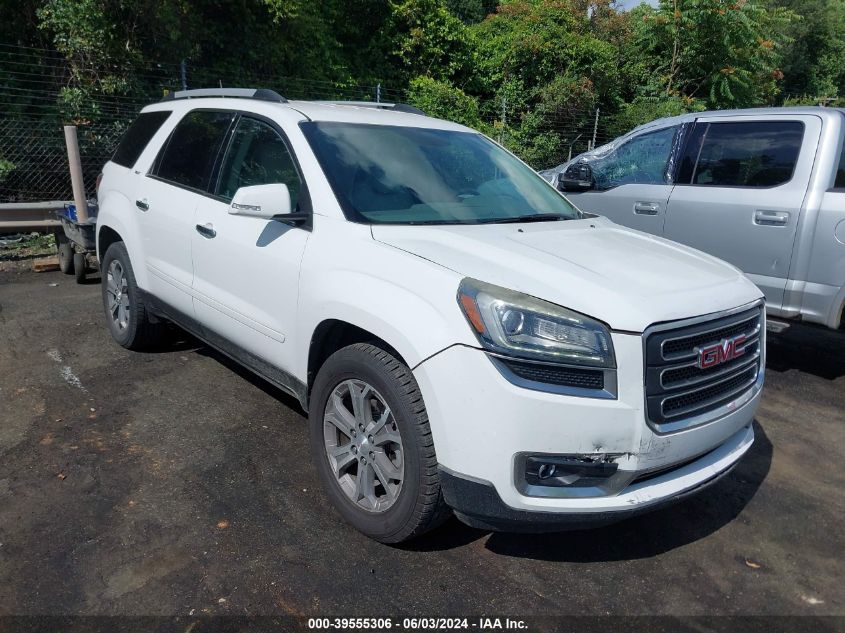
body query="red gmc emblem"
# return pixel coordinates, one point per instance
(727, 349)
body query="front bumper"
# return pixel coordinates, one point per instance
(477, 503)
(481, 423)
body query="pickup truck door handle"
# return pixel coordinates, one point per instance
(646, 208)
(206, 230)
(143, 205)
(771, 218)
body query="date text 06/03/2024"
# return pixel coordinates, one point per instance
(422, 623)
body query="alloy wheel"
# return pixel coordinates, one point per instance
(117, 295)
(363, 445)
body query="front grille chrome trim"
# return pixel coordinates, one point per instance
(696, 381)
(705, 403)
(711, 406)
(677, 357)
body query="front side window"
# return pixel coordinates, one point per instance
(257, 155)
(189, 155)
(406, 175)
(643, 159)
(748, 154)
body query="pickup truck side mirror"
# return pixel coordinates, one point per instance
(577, 177)
(261, 201)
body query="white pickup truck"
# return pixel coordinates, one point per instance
(762, 189)
(463, 339)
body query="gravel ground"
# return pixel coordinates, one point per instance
(175, 483)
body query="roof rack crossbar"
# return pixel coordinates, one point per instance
(378, 105)
(262, 94)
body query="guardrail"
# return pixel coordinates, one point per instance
(19, 217)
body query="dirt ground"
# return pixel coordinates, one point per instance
(175, 483)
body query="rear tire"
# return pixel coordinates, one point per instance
(400, 451)
(127, 315)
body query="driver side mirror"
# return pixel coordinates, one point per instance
(577, 177)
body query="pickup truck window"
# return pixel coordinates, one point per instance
(189, 154)
(137, 136)
(642, 160)
(748, 154)
(406, 175)
(257, 155)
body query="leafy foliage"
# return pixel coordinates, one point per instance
(812, 64)
(442, 100)
(724, 52)
(515, 69)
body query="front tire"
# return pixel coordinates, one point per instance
(127, 315)
(372, 445)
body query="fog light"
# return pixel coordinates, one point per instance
(576, 471)
(545, 471)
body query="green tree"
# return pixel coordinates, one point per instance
(426, 39)
(725, 52)
(812, 62)
(441, 99)
(645, 109)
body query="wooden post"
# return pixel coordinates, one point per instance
(76, 181)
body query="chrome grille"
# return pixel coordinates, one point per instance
(677, 387)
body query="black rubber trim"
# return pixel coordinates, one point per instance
(477, 504)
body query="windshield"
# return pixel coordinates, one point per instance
(404, 175)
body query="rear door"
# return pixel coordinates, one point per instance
(740, 189)
(246, 268)
(167, 201)
(633, 182)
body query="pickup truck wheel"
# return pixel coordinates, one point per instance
(126, 313)
(372, 445)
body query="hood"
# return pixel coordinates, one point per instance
(625, 278)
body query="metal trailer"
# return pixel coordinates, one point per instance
(77, 242)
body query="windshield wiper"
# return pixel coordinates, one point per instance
(534, 217)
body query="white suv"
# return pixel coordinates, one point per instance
(462, 337)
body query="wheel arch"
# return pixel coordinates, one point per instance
(332, 335)
(106, 236)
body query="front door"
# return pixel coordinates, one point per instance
(632, 183)
(740, 190)
(247, 269)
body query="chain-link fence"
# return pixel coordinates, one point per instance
(37, 96)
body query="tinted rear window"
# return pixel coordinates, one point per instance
(188, 157)
(748, 154)
(135, 139)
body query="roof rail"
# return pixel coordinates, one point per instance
(262, 94)
(378, 105)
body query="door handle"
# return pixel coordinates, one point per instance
(771, 218)
(206, 230)
(143, 205)
(646, 208)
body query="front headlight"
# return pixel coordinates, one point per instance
(519, 325)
